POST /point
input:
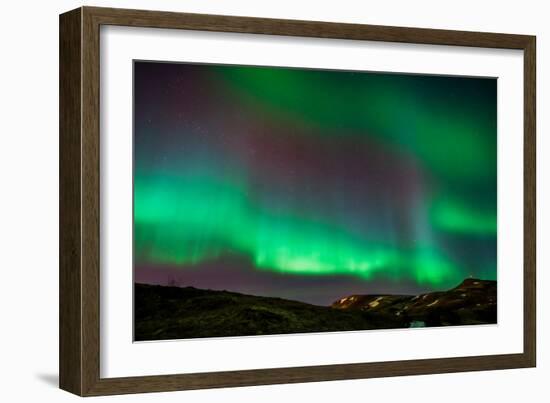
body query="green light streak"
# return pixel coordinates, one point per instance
(189, 219)
(450, 137)
(458, 217)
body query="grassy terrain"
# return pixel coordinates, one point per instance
(176, 313)
(164, 312)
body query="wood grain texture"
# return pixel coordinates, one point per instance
(317, 29)
(90, 202)
(530, 200)
(80, 196)
(70, 274)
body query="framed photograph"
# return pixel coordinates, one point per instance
(249, 201)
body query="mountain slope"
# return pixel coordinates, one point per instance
(472, 302)
(174, 313)
(163, 312)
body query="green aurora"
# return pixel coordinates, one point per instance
(226, 157)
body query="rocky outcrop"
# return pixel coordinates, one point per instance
(474, 301)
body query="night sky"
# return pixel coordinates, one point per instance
(311, 184)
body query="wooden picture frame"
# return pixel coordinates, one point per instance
(79, 278)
